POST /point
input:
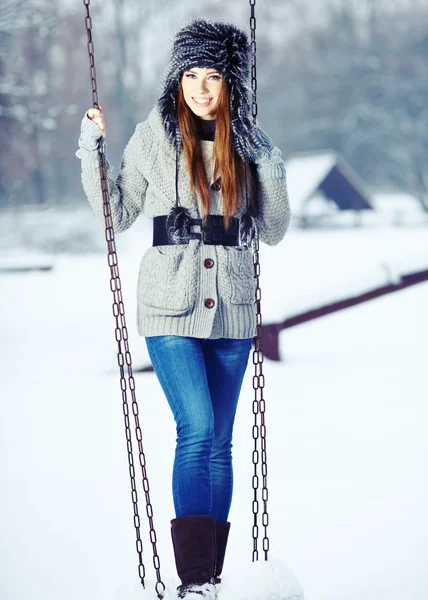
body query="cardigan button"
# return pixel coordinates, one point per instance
(208, 263)
(216, 185)
(209, 303)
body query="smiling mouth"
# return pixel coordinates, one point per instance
(202, 101)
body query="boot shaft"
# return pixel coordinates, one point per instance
(222, 535)
(194, 542)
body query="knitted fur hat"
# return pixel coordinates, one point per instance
(219, 46)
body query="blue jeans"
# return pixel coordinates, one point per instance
(201, 379)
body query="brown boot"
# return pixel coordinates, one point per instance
(193, 539)
(222, 534)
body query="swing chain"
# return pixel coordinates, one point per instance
(253, 24)
(259, 405)
(123, 352)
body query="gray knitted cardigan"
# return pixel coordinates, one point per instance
(175, 280)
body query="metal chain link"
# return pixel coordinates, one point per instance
(123, 352)
(259, 405)
(253, 24)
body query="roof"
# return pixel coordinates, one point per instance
(328, 172)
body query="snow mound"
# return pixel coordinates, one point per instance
(25, 261)
(263, 580)
(136, 591)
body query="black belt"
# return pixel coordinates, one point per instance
(212, 232)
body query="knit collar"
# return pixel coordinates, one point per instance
(206, 129)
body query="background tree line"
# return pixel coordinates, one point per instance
(340, 74)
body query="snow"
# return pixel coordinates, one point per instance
(399, 208)
(271, 579)
(24, 261)
(314, 268)
(347, 432)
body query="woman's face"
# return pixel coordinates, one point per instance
(201, 90)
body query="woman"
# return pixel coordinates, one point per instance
(211, 181)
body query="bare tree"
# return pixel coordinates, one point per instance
(330, 75)
(357, 89)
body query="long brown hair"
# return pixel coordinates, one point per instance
(227, 164)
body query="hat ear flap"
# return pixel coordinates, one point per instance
(167, 105)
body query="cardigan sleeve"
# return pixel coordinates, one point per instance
(274, 214)
(128, 191)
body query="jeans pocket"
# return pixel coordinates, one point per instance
(167, 279)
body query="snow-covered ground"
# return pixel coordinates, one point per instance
(347, 428)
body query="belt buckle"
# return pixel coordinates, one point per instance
(204, 239)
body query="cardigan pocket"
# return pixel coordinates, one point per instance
(240, 271)
(167, 279)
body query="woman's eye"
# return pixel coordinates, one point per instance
(193, 76)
